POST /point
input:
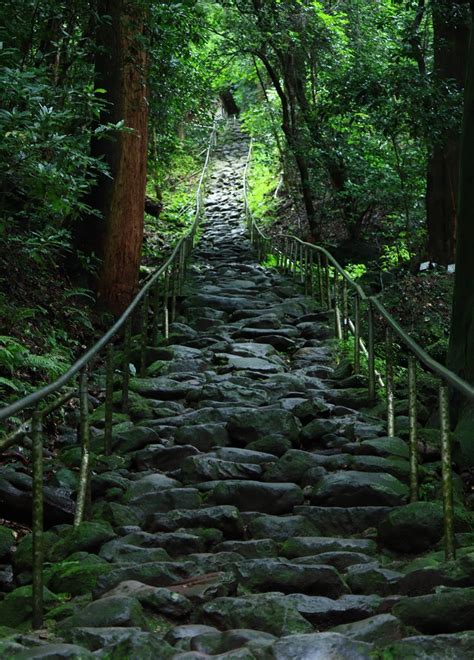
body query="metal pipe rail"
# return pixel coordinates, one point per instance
(159, 292)
(317, 268)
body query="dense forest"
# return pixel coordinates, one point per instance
(355, 108)
(344, 131)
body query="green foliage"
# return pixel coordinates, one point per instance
(16, 361)
(355, 271)
(263, 180)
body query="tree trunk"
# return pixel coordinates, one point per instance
(461, 345)
(229, 103)
(290, 131)
(121, 64)
(450, 43)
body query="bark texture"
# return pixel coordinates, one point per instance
(461, 347)
(451, 29)
(121, 65)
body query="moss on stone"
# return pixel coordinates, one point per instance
(117, 515)
(6, 541)
(23, 556)
(77, 576)
(17, 606)
(87, 536)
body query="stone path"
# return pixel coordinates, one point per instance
(253, 510)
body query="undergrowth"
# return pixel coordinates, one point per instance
(46, 320)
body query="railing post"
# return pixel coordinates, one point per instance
(127, 345)
(328, 283)
(447, 475)
(412, 414)
(37, 518)
(311, 273)
(144, 334)
(356, 333)
(301, 254)
(371, 351)
(345, 310)
(337, 311)
(389, 384)
(109, 399)
(156, 315)
(83, 495)
(182, 267)
(174, 281)
(320, 281)
(165, 305)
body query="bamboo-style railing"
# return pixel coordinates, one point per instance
(323, 276)
(157, 296)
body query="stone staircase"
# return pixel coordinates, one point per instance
(254, 508)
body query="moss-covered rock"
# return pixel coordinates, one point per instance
(6, 541)
(355, 488)
(138, 408)
(418, 526)
(65, 478)
(17, 606)
(88, 536)
(112, 611)
(268, 613)
(23, 556)
(77, 575)
(273, 445)
(146, 646)
(71, 456)
(118, 515)
(386, 447)
(448, 611)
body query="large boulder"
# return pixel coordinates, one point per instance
(284, 576)
(108, 612)
(259, 424)
(271, 498)
(266, 612)
(417, 526)
(351, 488)
(447, 611)
(320, 646)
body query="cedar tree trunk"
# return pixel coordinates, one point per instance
(121, 65)
(461, 345)
(451, 29)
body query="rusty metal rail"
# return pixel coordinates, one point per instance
(323, 276)
(155, 305)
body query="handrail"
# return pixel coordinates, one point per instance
(296, 256)
(34, 398)
(160, 291)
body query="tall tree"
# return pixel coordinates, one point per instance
(461, 346)
(121, 69)
(451, 28)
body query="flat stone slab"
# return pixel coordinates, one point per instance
(321, 611)
(257, 496)
(226, 518)
(321, 646)
(447, 611)
(352, 488)
(280, 528)
(458, 646)
(264, 612)
(331, 521)
(304, 546)
(195, 469)
(280, 575)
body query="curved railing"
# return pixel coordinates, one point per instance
(157, 296)
(318, 269)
